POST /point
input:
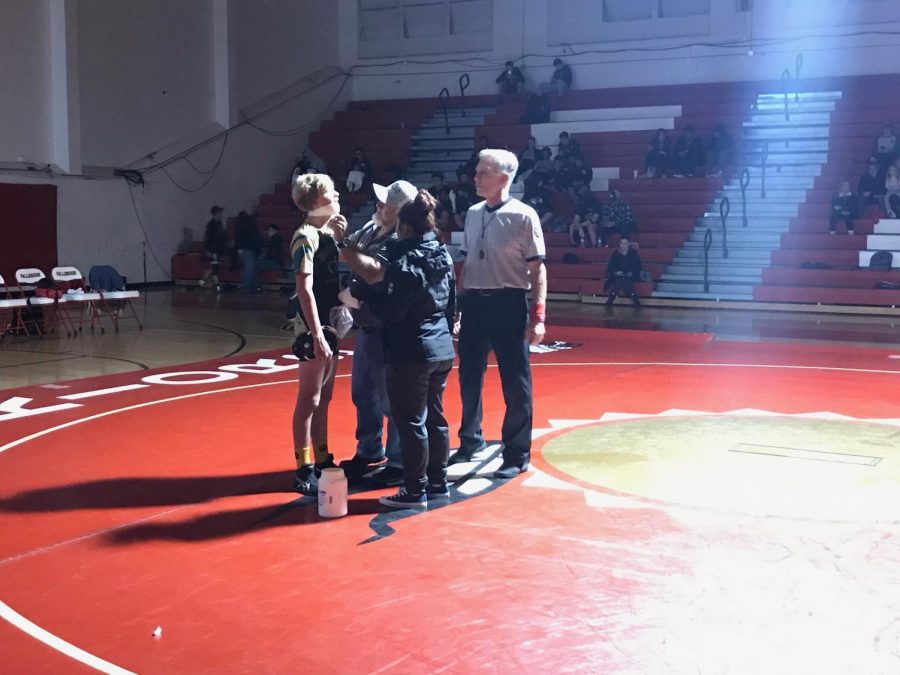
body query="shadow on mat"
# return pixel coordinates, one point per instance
(137, 492)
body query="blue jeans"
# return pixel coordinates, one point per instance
(248, 267)
(369, 394)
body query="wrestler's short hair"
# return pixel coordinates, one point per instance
(307, 187)
(503, 160)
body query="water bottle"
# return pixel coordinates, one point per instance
(332, 493)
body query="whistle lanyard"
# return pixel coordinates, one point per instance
(484, 227)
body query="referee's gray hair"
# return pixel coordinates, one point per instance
(504, 161)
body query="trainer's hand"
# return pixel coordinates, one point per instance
(338, 225)
(536, 333)
(455, 326)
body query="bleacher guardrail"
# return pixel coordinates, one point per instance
(724, 210)
(764, 157)
(707, 244)
(744, 183)
(786, 80)
(443, 97)
(463, 85)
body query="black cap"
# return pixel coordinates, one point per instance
(557, 62)
(215, 209)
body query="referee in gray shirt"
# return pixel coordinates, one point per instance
(504, 248)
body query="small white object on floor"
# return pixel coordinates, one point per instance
(157, 632)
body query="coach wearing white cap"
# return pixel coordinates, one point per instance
(504, 248)
(367, 387)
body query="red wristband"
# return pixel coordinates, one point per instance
(539, 313)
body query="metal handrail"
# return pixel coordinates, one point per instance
(744, 182)
(707, 244)
(786, 78)
(765, 158)
(724, 210)
(443, 97)
(798, 64)
(463, 85)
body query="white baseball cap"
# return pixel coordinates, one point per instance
(397, 193)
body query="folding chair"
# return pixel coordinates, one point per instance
(10, 309)
(74, 299)
(115, 301)
(39, 313)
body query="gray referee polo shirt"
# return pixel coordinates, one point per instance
(498, 245)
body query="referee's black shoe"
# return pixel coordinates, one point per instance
(510, 469)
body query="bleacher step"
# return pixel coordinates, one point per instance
(700, 295)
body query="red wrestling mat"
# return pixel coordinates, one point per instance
(693, 506)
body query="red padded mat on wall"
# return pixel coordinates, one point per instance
(27, 228)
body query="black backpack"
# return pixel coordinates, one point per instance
(881, 260)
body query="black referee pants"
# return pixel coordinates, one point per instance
(496, 322)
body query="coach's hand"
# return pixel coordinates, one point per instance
(536, 333)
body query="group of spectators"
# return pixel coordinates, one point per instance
(689, 155)
(878, 187)
(511, 81)
(247, 251)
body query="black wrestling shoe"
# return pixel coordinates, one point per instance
(361, 467)
(465, 454)
(306, 479)
(389, 476)
(510, 470)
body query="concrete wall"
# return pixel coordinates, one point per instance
(753, 45)
(217, 61)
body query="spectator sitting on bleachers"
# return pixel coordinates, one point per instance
(511, 80)
(544, 172)
(844, 207)
(623, 269)
(537, 110)
(272, 257)
(538, 198)
(720, 152)
(527, 159)
(308, 162)
(656, 163)
(616, 218)
(215, 245)
(463, 197)
(585, 225)
(871, 186)
(891, 200)
(360, 172)
(443, 210)
(579, 175)
(568, 147)
(886, 146)
(469, 167)
(687, 155)
(561, 81)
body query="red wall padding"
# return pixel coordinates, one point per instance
(27, 228)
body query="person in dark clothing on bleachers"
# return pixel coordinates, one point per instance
(272, 257)
(463, 197)
(469, 167)
(215, 245)
(687, 155)
(844, 208)
(585, 225)
(871, 184)
(527, 159)
(886, 146)
(719, 152)
(616, 218)
(537, 110)
(568, 147)
(443, 211)
(656, 163)
(511, 80)
(249, 245)
(360, 172)
(623, 269)
(561, 81)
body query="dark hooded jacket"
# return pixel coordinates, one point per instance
(417, 301)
